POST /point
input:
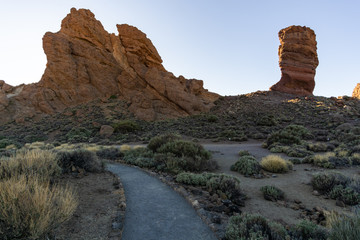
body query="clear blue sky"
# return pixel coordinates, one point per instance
(231, 44)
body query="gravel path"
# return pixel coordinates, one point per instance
(155, 211)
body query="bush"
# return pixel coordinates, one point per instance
(226, 186)
(317, 147)
(181, 148)
(141, 157)
(125, 126)
(308, 230)
(7, 142)
(248, 226)
(244, 153)
(158, 141)
(38, 163)
(323, 182)
(30, 209)
(111, 153)
(272, 193)
(246, 165)
(84, 159)
(297, 151)
(355, 159)
(292, 134)
(347, 227)
(78, 134)
(321, 160)
(275, 164)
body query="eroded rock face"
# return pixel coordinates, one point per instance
(85, 62)
(356, 92)
(298, 61)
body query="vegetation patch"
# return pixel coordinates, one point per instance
(31, 207)
(80, 159)
(338, 186)
(225, 186)
(125, 126)
(275, 164)
(249, 226)
(272, 193)
(247, 165)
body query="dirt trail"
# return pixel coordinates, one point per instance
(295, 184)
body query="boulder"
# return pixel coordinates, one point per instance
(106, 131)
(298, 61)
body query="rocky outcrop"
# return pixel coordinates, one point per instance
(298, 61)
(356, 92)
(85, 62)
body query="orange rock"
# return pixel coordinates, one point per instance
(85, 62)
(298, 61)
(356, 92)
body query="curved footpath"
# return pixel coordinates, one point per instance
(155, 211)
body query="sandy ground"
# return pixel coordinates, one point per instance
(98, 205)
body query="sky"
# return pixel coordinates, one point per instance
(231, 45)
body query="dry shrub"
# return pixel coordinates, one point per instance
(30, 209)
(275, 164)
(40, 163)
(125, 147)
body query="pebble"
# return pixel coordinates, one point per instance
(316, 193)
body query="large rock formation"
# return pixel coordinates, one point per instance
(356, 92)
(85, 62)
(298, 61)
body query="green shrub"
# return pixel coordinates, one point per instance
(30, 209)
(246, 165)
(41, 164)
(297, 151)
(84, 159)
(346, 228)
(272, 193)
(7, 142)
(323, 182)
(268, 120)
(346, 194)
(355, 159)
(292, 134)
(212, 118)
(308, 230)
(110, 153)
(338, 186)
(275, 164)
(78, 134)
(317, 147)
(225, 186)
(253, 227)
(185, 156)
(141, 157)
(321, 160)
(156, 142)
(244, 153)
(125, 126)
(181, 148)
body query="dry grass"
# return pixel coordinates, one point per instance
(275, 164)
(39, 163)
(29, 208)
(322, 159)
(125, 147)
